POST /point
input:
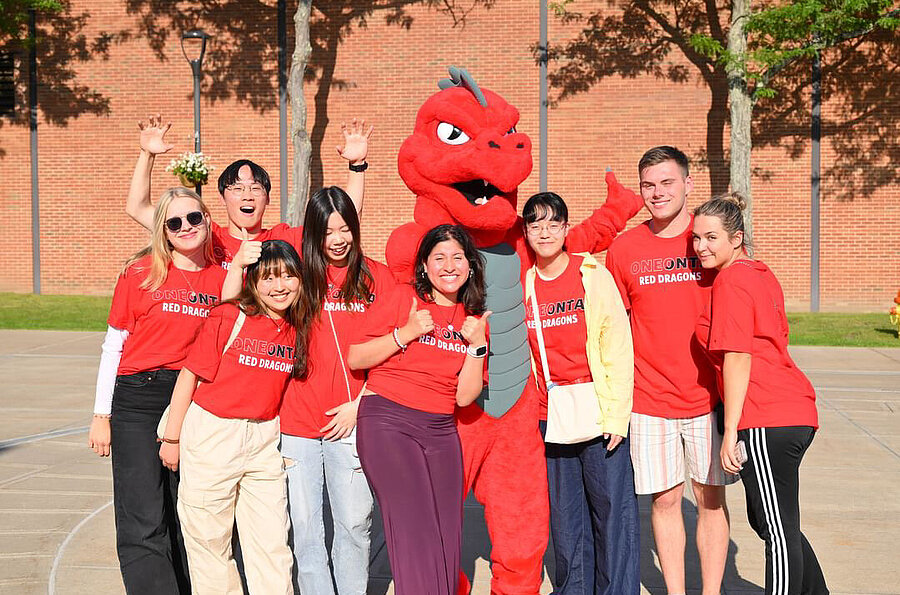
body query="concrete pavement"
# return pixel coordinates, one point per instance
(56, 521)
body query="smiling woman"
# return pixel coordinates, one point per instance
(425, 351)
(161, 300)
(230, 435)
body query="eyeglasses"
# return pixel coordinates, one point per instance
(194, 218)
(239, 189)
(553, 228)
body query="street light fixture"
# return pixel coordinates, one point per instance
(196, 38)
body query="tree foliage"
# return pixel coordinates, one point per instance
(784, 33)
(857, 39)
(14, 16)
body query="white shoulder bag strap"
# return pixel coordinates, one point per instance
(337, 346)
(537, 328)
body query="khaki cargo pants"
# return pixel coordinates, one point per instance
(232, 471)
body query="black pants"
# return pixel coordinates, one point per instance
(771, 479)
(148, 536)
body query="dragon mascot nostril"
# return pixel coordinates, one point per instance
(465, 161)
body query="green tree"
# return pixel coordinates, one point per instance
(764, 43)
(766, 78)
(14, 16)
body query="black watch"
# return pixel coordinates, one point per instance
(360, 168)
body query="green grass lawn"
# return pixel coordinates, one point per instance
(53, 312)
(854, 330)
(88, 313)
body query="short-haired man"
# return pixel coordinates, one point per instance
(673, 423)
(244, 188)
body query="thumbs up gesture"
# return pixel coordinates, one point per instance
(249, 251)
(419, 323)
(474, 329)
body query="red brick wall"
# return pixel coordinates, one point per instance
(388, 70)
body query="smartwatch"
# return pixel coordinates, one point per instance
(477, 352)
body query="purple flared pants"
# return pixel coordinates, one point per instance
(413, 461)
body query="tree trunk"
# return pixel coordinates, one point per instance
(299, 137)
(741, 111)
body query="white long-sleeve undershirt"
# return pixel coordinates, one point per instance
(109, 366)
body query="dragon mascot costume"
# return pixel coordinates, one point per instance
(465, 161)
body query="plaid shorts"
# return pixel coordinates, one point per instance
(661, 446)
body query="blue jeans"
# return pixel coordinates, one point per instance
(314, 464)
(593, 518)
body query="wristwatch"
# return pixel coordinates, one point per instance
(478, 352)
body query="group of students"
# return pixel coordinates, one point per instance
(292, 364)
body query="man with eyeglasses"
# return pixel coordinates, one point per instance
(673, 425)
(244, 187)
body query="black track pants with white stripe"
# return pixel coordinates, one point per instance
(772, 485)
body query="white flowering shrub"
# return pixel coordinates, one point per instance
(191, 167)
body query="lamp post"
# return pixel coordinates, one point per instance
(196, 38)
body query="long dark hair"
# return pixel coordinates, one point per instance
(358, 283)
(276, 257)
(471, 294)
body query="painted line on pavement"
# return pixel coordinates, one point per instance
(4, 444)
(863, 430)
(54, 569)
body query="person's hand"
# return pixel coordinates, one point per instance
(249, 251)
(99, 436)
(614, 441)
(730, 461)
(342, 422)
(168, 454)
(153, 135)
(474, 329)
(419, 323)
(356, 141)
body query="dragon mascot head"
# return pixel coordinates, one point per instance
(465, 160)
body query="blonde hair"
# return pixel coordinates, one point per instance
(160, 249)
(729, 208)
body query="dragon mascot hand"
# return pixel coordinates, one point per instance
(465, 161)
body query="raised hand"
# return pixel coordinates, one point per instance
(356, 141)
(419, 323)
(249, 251)
(153, 135)
(474, 329)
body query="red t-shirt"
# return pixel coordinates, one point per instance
(225, 246)
(306, 400)
(162, 323)
(665, 290)
(561, 308)
(746, 315)
(424, 376)
(248, 381)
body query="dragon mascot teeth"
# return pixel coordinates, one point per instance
(465, 161)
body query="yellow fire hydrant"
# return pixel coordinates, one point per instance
(895, 313)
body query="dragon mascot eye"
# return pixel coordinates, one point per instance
(465, 161)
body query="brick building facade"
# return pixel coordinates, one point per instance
(383, 71)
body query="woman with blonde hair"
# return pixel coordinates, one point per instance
(770, 405)
(161, 299)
